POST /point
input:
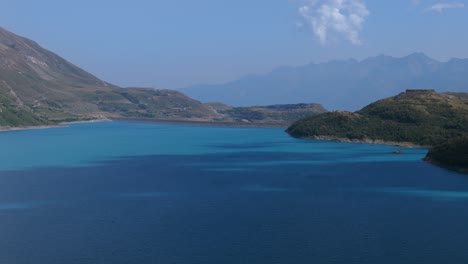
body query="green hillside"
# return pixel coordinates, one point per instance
(422, 117)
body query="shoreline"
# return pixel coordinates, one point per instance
(12, 129)
(368, 141)
(149, 121)
(199, 123)
(59, 125)
(86, 121)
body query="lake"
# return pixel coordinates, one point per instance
(146, 193)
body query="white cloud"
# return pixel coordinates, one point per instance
(340, 17)
(440, 7)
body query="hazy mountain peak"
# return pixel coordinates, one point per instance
(344, 61)
(419, 56)
(340, 84)
(378, 59)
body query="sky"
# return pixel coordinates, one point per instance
(177, 43)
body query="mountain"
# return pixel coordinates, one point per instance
(39, 87)
(422, 117)
(340, 84)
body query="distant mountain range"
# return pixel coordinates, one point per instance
(38, 87)
(340, 84)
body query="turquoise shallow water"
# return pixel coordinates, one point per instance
(146, 193)
(84, 144)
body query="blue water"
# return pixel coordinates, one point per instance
(144, 193)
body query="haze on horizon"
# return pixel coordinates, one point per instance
(174, 44)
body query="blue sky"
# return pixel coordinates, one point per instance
(176, 43)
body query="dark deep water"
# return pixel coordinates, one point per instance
(141, 193)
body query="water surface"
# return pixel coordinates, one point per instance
(145, 193)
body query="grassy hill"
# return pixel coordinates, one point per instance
(421, 117)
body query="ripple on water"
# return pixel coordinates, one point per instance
(423, 193)
(262, 188)
(147, 194)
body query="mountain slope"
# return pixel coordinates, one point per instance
(342, 84)
(39, 87)
(421, 117)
